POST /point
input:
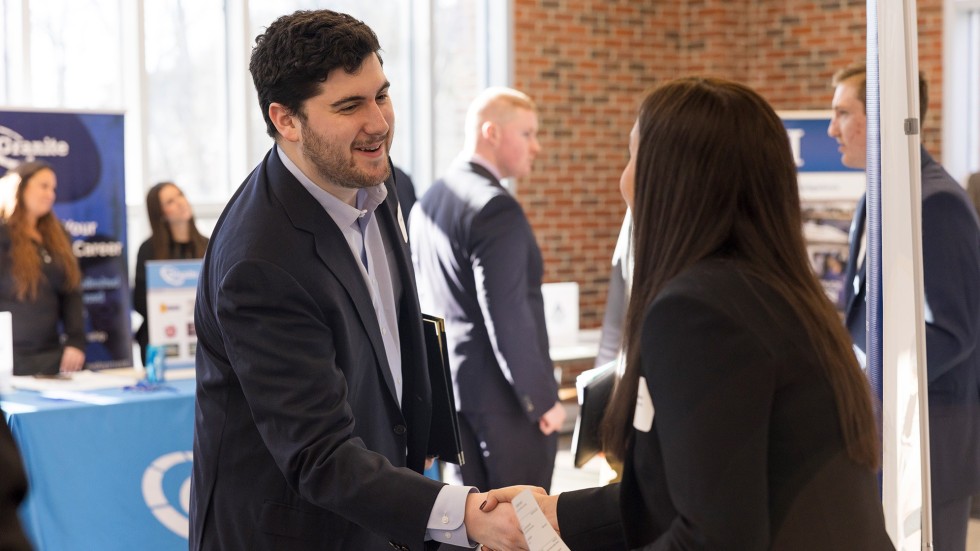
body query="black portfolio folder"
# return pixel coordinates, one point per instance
(594, 387)
(444, 441)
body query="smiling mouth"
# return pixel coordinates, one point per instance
(371, 148)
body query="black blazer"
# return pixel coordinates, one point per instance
(951, 278)
(299, 440)
(479, 267)
(745, 451)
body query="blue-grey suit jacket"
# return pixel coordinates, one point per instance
(951, 273)
(479, 267)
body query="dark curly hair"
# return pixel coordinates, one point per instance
(294, 55)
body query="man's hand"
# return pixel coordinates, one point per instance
(498, 530)
(548, 504)
(552, 419)
(72, 359)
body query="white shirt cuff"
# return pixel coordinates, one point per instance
(446, 519)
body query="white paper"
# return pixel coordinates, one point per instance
(77, 381)
(643, 413)
(6, 351)
(537, 530)
(84, 397)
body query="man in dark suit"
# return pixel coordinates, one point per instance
(951, 273)
(13, 488)
(405, 190)
(313, 400)
(480, 268)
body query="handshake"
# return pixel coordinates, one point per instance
(491, 519)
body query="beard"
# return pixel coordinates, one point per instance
(333, 163)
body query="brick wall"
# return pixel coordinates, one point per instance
(588, 62)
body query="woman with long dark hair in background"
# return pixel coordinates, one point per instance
(173, 235)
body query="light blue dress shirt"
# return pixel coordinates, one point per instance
(363, 235)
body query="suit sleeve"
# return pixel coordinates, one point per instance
(512, 310)
(72, 318)
(712, 384)
(284, 356)
(589, 519)
(951, 267)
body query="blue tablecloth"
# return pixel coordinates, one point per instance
(106, 477)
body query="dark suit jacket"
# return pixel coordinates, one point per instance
(479, 267)
(951, 277)
(299, 440)
(13, 488)
(745, 451)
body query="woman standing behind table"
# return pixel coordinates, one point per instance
(40, 281)
(743, 419)
(174, 236)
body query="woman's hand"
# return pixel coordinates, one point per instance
(548, 504)
(72, 359)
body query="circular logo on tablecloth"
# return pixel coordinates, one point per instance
(163, 483)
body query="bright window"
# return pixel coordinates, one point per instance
(179, 70)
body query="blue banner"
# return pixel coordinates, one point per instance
(86, 151)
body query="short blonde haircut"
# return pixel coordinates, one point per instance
(496, 104)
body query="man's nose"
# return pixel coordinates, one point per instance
(376, 124)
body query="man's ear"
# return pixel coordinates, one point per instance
(490, 132)
(285, 121)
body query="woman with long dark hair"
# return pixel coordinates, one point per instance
(40, 281)
(173, 235)
(742, 418)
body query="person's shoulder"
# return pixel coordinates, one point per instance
(936, 180)
(709, 277)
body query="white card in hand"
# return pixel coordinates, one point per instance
(537, 530)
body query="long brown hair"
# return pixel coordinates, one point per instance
(25, 265)
(714, 171)
(161, 238)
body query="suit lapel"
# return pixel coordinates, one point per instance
(332, 248)
(856, 270)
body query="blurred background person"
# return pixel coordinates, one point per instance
(617, 297)
(40, 281)
(173, 236)
(951, 282)
(405, 190)
(478, 265)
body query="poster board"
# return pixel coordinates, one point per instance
(829, 193)
(85, 149)
(171, 290)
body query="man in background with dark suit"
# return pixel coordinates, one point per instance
(313, 406)
(479, 267)
(951, 274)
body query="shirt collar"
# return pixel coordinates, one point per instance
(344, 215)
(482, 161)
